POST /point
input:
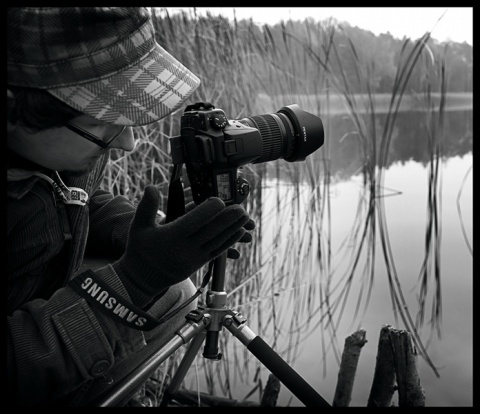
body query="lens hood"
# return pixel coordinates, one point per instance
(308, 131)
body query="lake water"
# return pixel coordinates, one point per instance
(304, 255)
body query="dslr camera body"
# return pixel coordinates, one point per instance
(212, 147)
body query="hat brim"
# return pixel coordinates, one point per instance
(144, 93)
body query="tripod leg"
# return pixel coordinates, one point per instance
(123, 391)
(277, 366)
(183, 367)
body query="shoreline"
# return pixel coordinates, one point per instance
(337, 104)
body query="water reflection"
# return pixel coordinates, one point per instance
(410, 141)
(406, 215)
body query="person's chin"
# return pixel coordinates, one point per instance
(81, 170)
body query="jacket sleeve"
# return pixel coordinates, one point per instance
(54, 346)
(110, 218)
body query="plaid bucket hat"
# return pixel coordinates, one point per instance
(102, 61)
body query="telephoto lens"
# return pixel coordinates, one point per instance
(291, 134)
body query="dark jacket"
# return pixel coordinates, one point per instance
(55, 339)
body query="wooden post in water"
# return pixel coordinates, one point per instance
(410, 392)
(396, 361)
(270, 394)
(383, 385)
(348, 368)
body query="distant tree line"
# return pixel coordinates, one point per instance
(285, 51)
(383, 51)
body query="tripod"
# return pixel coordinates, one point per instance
(205, 324)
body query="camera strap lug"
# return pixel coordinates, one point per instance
(176, 196)
(177, 150)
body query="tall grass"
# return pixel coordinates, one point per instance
(287, 282)
(431, 266)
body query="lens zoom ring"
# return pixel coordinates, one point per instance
(272, 142)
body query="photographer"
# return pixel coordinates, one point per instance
(78, 79)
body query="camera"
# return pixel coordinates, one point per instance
(212, 147)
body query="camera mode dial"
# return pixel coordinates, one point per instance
(218, 120)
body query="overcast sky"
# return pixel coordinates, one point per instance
(456, 23)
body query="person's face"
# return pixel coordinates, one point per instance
(61, 149)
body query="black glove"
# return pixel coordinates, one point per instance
(246, 238)
(158, 256)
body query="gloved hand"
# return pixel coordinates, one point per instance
(232, 253)
(158, 256)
